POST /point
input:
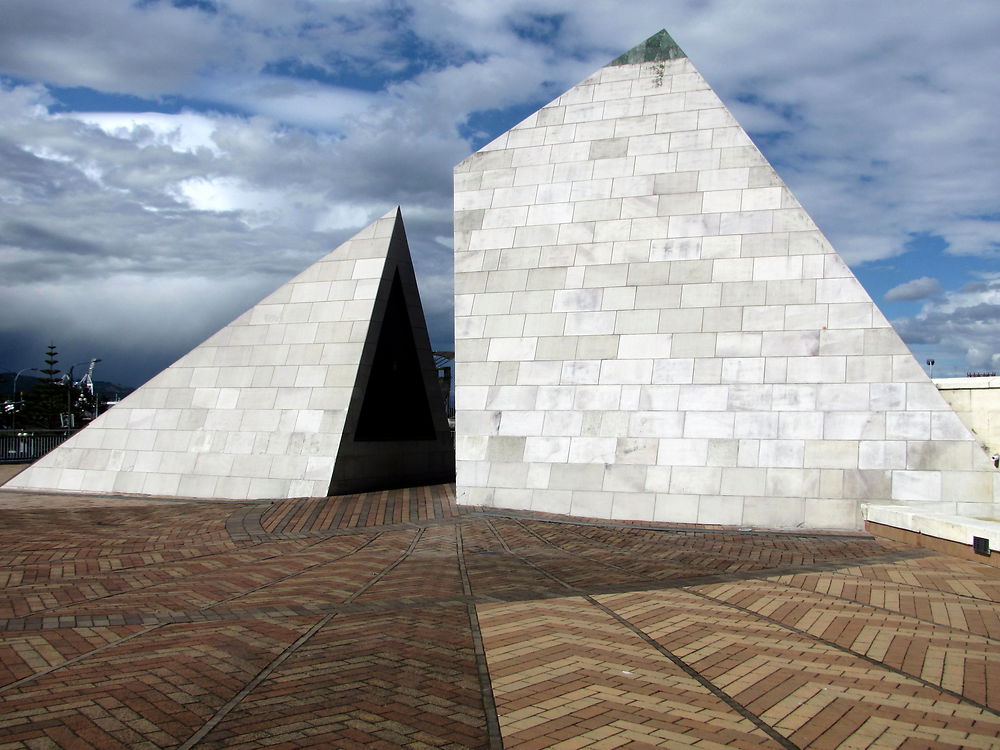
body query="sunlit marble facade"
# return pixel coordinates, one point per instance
(649, 326)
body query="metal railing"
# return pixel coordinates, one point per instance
(21, 446)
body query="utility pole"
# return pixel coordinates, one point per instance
(68, 380)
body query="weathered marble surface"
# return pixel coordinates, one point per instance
(650, 326)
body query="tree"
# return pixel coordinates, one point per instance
(44, 404)
(51, 360)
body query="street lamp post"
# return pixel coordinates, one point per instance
(70, 422)
(7, 369)
(13, 392)
(68, 380)
(13, 415)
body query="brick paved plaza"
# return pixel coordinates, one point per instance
(398, 619)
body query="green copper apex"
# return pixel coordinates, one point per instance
(660, 46)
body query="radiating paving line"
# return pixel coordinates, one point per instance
(640, 576)
(209, 607)
(306, 569)
(662, 650)
(219, 715)
(239, 550)
(691, 672)
(482, 666)
(78, 658)
(240, 696)
(844, 649)
(878, 607)
(914, 573)
(539, 568)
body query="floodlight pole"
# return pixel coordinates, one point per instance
(7, 369)
(69, 388)
(70, 422)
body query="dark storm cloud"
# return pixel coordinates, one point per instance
(29, 236)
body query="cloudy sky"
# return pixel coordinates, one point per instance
(164, 165)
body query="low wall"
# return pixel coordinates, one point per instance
(977, 403)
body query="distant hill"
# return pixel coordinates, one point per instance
(111, 390)
(26, 383)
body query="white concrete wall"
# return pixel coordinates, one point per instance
(977, 403)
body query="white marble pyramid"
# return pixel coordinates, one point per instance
(326, 386)
(649, 326)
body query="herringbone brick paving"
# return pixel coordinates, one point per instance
(396, 618)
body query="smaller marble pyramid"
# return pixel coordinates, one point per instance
(327, 386)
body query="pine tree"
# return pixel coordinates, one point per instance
(44, 404)
(51, 360)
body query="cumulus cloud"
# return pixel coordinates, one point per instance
(875, 134)
(920, 288)
(115, 46)
(961, 329)
(157, 48)
(274, 131)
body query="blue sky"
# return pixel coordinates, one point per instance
(164, 165)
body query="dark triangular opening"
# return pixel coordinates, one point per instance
(395, 405)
